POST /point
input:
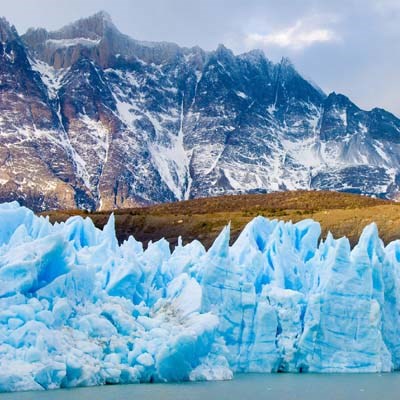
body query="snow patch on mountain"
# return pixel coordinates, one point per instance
(72, 42)
(172, 160)
(51, 77)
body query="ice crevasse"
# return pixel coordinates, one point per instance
(77, 308)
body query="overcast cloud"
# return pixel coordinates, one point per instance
(352, 46)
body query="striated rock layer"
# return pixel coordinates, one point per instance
(78, 309)
(94, 119)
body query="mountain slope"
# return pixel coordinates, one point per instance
(95, 119)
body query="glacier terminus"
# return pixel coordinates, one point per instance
(79, 309)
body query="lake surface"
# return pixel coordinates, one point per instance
(243, 387)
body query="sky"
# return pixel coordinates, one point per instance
(347, 46)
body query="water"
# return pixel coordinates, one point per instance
(243, 387)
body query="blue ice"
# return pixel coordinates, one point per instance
(78, 309)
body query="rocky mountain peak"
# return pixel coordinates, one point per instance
(286, 63)
(286, 68)
(338, 100)
(255, 56)
(94, 37)
(104, 16)
(223, 50)
(7, 31)
(93, 27)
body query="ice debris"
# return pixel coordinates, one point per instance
(78, 309)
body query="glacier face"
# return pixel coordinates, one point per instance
(79, 309)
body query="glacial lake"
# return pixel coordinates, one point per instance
(242, 387)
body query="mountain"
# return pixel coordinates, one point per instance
(91, 118)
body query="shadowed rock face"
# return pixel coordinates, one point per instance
(36, 164)
(91, 118)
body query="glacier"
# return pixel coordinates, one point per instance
(78, 309)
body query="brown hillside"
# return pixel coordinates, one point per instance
(202, 219)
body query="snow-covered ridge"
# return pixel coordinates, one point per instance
(78, 309)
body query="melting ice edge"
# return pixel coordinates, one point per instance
(78, 309)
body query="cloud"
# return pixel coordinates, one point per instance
(296, 37)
